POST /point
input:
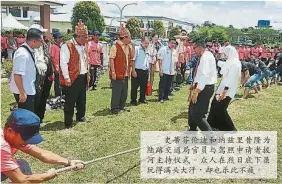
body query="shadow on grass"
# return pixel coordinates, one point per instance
(153, 100)
(104, 112)
(57, 125)
(183, 115)
(125, 172)
(240, 96)
(106, 88)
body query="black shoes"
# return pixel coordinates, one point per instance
(133, 103)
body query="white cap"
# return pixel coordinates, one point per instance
(39, 27)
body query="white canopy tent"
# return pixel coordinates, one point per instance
(10, 22)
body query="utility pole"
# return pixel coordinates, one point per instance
(121, 10)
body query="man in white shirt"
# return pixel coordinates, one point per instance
(202, 88)
(23, 75)
(168, 58)
(74, 76)
(140, 72)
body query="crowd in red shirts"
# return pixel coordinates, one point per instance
(10, 42)
(245, 51)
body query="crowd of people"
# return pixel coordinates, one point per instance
(73, 66)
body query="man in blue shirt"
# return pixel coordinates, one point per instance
(140, 72)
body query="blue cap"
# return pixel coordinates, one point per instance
(96, 33)
(27, 124)
(57, 35)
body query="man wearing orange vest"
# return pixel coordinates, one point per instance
(121, 55)
(74, 75)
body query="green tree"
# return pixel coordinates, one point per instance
(90, 13)
(174, 31)
(133, 25)
(218, 33)
(159, 28)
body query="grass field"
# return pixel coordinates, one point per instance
(108, 134)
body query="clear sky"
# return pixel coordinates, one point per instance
(237, 13)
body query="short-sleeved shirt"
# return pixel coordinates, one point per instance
(141, 58)
(253, 69)
(23, 65)
(169, 58)
(94, 51)
(8, 162)
(259, 64)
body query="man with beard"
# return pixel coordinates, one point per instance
(74, 75)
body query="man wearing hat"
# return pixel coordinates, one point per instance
(55, 55)
(74, 74)
(202, 87)
(21, 132)
(95, 53)
(121, 55)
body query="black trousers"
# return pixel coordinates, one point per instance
(28, 104)
(93, 75)
(75, 96)
(57, 87)
(219, 117)
(197, 112)
(141, 80)
(119, 94)
(165, 85)
(41, 99)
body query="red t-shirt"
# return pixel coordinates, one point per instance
(264, 53)
(4, 42)
(255, 51)
(241, 53)
(8, 162)
(94, 51)
(55, 55)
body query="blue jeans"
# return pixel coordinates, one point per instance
(267, 74)
(190, 77)
(254, 79)
(24, 167)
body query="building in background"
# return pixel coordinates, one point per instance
(146, 24)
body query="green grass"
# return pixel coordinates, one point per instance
(108, 134)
